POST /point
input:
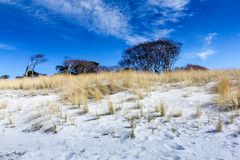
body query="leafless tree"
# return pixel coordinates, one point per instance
(33, 62)
(155, 56)
(76, 66)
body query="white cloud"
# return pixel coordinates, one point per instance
(108, 19)
(94, 15)
(205, 54)
(169, 10)
(135, 39)
(210, 37)
(8, 2)
(5, 1)
(172, 4)
(6, 47)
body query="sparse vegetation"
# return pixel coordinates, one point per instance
(85, 107)
(132, 122)
(97, 116)
(149, 118)
(198, 113)
(219, 125)
(111, 108)
(161, 109)
(3, 104)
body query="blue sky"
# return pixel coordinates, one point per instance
(101, 29)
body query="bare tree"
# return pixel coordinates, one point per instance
(75, 66)
(155, 56)
(33, 62)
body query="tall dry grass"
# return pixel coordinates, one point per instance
(76, 89)
(228, 94)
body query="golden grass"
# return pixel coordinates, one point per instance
(111, 108)
(76, 89)
(238, 95)
(224, 87)
(161, 109)
(228, 94)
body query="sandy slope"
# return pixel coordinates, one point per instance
(30, 131)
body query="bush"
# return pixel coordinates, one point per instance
(4, 77)
(191, 67)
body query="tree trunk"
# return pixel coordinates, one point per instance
(26, 71)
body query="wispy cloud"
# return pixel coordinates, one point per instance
(112, 19)
(134, 39)
(94, 15)
(6, 47)
(170, 10)
(172, 4)
(5, 1)
(205, 54)
(210, 37)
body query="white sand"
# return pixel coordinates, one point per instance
(26, 132)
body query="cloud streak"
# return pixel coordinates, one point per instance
(6, 47)
(172, 4)
(110, 19)
(205, 54)
(210, 37)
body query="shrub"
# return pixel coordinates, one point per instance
(4, 76)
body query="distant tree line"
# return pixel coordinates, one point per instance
(156, 56)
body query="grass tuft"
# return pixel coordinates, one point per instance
(3, 105)
(228, 95)
(219, 125)
(111, 108)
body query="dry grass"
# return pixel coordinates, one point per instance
(149, 118)
(76, 89)
(111, 108)
(228, 94)
(85, 107)
(224, 87)
(3, 105)
(198, 113)
(237, 97)
(132, 127)
(219, 125)
(161, 109)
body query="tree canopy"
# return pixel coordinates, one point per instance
(156, 56)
